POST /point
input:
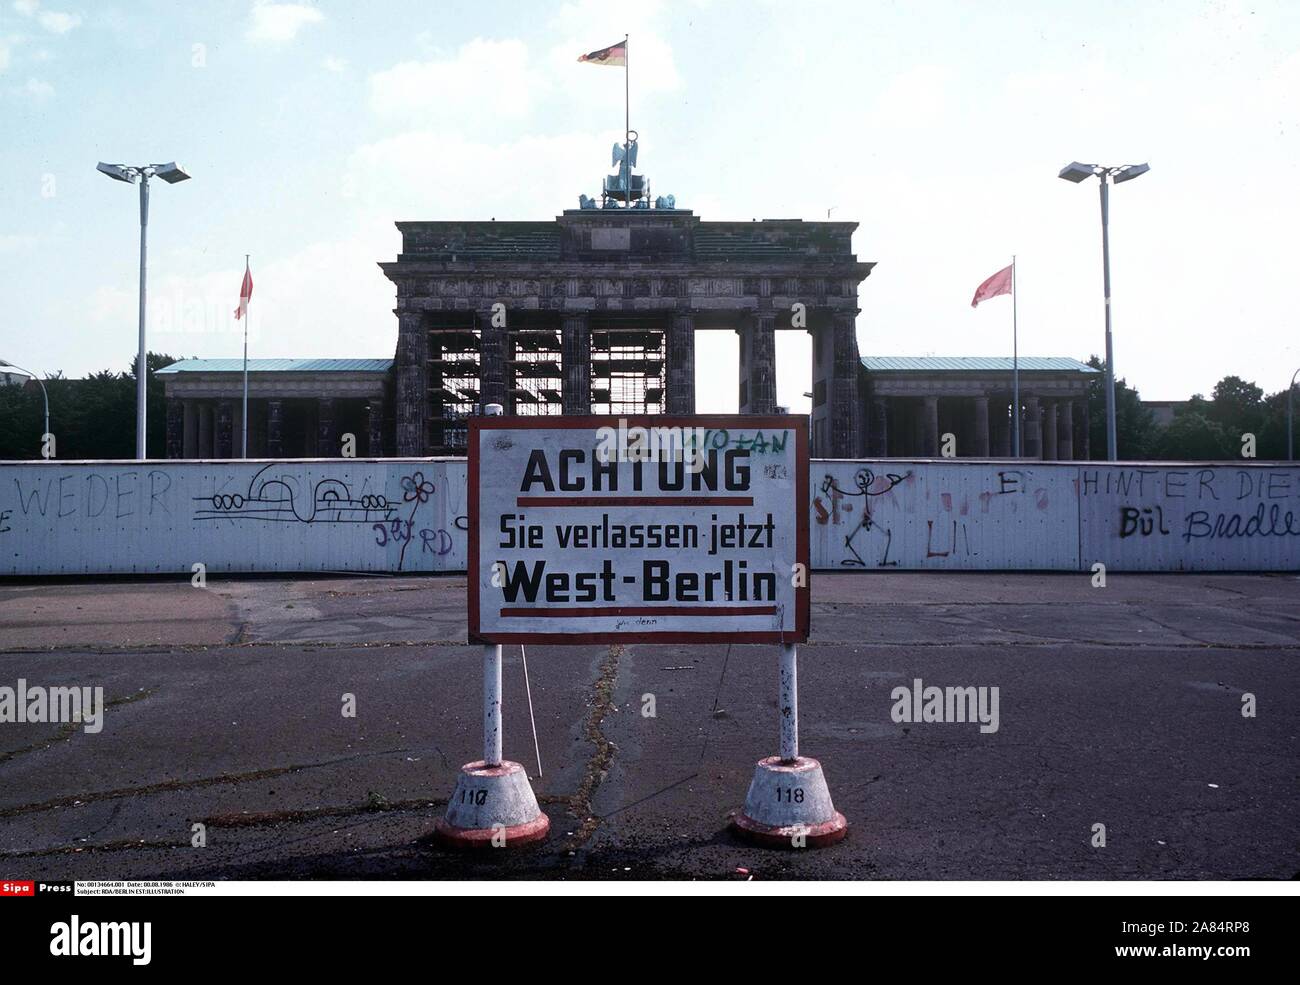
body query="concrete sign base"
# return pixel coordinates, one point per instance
(492, 807)
(789, 806)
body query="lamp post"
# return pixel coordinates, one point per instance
(44, 392)
(171, 174)
(1077, 172)
(1290, 418)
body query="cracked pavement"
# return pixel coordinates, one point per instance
(1119, 706)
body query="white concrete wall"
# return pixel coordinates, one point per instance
(410, 515)
(944, 515)
(121, 517)
(1190, 517)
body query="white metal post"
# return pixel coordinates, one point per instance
(244, 443)
(1015, 369)
(788, 703)
(1112, 435)
(492, 676)
(492, 704)
(142, 363)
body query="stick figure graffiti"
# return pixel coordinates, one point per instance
(868, 484)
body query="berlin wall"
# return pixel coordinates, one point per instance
(410, 515)
(329, 515)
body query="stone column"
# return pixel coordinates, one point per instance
(1085, 431)
(918, 428)
(375, 427)
(981, 449)
(575, 340)
(758, 339)
(175, 429)
(1001, 427)
(1049, 430)
(1065, 431)
(223, 447)
(411, 382)
(274, 418)
(1032, 431)
(492, 361)
(878, 429)
(190, 425)
(327, 443)
(930, 428)
(203, 444)
(845, 411)
(681, 364)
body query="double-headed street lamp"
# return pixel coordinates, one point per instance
(44, 392)
(171, 174)
(1077, 172)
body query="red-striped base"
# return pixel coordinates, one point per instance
(516, 835)
(815, 835)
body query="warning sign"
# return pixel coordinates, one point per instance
(653, 529)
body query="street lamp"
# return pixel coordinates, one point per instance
(1077, 172)
(1290, 417)
(171, 174)
(44, 392)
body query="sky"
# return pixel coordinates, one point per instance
(939, 128)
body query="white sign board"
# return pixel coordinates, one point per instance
(653, 529)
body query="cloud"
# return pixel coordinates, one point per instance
(433, 174)
(333, 64)
(58, 23)
(16, 242)
(484, 79)
(280, 21)
(54, 21)
(37, 90)
(916, 98)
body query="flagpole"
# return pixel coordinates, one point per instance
(247, 308)
(627, 117)
(1015, 364)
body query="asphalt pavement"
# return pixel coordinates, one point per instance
(1118, 706)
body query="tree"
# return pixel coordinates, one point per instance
(90, 418)
(1194, 437)
(1134, 424)
(1237, 405)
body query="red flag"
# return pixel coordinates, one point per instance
(245, 293)
(999, 283)
(615, 54)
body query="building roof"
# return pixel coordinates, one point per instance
(959, 364)
(280, 366)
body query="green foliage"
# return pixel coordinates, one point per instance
(1193, 436)
(90, 418)
(1134, 424)
(1202, 430)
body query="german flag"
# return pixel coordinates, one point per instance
(615, 54)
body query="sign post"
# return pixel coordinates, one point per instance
(649, 529)
(493, 803)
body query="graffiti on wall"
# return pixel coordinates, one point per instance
(281, 516)
(866, 484)
(1189, 518)
(958, 515)
(411, 515)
